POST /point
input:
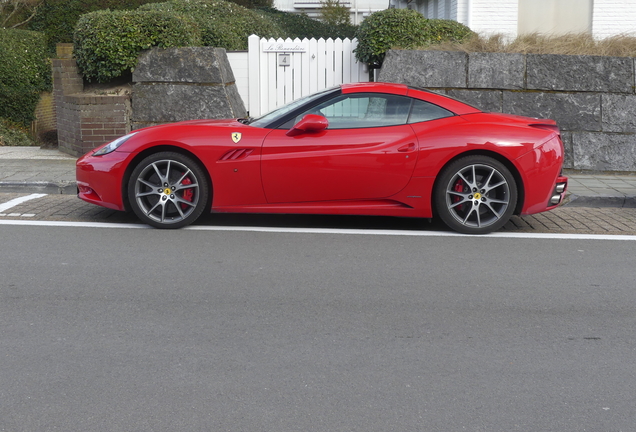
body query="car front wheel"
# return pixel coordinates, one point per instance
(168, 190)
(475, 195)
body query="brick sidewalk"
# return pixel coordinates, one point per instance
(565, 220)
(584, 220)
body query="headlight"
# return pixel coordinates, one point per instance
(113, 145)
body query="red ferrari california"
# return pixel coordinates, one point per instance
(358, 149)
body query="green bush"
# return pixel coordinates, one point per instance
(223, 24)
(57, 18)
(25, 72)
(254, 4)
(441, 30)
(12, 134)
(301, 26)
(402, 28)
(107, 43)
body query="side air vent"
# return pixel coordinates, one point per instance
(236, 154)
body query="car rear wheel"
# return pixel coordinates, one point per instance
(475, 195)
(168, 190)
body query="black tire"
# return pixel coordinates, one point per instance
(475, 195)
(168, 190)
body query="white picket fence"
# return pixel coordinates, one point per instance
(282, 70)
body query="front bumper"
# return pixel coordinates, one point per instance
(99, 179)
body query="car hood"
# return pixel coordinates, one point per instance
(206, 122)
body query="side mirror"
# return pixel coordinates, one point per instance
(311, 123)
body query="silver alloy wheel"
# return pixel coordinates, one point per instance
(477, 196)
(166, 191)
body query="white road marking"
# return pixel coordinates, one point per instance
(343, 231)
(14, 202)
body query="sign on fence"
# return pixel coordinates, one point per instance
(283, 70)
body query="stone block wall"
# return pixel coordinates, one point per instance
(184, 84)
(168, 85)
(84, 120)
(592, 98)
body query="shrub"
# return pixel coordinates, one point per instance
(57, 18)
(12, 134)
(254, 4)
(441, 30)
(223, 24)
(402, 28)
(333, 13)
(25, 72)
(301, 26)
(107, 43)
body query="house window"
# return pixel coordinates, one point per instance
(555, 16)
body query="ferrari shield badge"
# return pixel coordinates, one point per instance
(236, 137)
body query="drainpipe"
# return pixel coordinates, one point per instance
(469, 13)
(355, 8)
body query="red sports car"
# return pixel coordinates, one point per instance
(358, 149)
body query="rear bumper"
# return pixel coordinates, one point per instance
(544, 184)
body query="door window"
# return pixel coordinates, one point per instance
(363, 110)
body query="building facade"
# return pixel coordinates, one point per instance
(359, 9)
(601, 18)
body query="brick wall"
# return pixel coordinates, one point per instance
(45, 119)
(87, 121)
(84, 121)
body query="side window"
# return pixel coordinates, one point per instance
(363, 111)
(424, 111)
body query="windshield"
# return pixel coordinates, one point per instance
(278, 113)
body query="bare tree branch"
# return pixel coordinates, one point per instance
(10, 8)
(35, 9)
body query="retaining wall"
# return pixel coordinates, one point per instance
(168, 85)
(184, 84)
(592, 98)
(84, 120)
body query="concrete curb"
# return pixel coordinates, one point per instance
(61, 188)
(574, 200)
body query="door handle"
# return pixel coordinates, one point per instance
(407, 148)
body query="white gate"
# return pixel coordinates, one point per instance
(284, 70)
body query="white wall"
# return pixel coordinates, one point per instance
(491, 16)
(239, 63)
(614, 17)
(555, 16)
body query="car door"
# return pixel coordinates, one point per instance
(367, 152)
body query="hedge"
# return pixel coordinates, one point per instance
(57, 18)
(107, 43)
(25, 72)
(301, 26)
(402, 28)
(223, 24)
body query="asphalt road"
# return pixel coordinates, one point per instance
(124, 329)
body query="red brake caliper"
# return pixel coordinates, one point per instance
(459, 187)
(188, 194)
